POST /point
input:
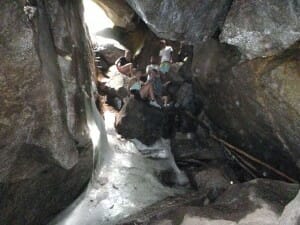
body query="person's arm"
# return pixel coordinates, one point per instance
(117, 63)
(171, 56)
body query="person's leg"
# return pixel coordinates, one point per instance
(147, 91)
(164, 70)
(144, 91)
(151, 92)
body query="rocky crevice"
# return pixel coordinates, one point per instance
(249, 99)
(244, 91)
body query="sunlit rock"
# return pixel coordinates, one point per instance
(262, 28)
(109, 52)
(119, 12)
(133, 40)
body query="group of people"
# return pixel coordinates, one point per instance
(153, 89)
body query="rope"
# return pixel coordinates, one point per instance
(239, 151)
(254, 159)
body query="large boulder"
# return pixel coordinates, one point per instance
(109, 52)
(212, 181)
(130, 39)
(139, 120)
(116, 84)
(44, 147)
(255, 102)
(262, 28)
(119, 12)
(255, 202)
(191, 20)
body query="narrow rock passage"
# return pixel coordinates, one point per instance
(126, 183)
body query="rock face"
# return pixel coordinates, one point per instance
(212, 180)
(255, 202)
(190, 20)
(262, 28)
(141, 121)
(256, 102)
(132, 40)
(44, 147)
(291, 213)
(109, 52)
(119, 12)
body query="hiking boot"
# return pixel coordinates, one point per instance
(154, 103)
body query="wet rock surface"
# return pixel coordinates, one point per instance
(255, 202)
(262, 28)
(127, 181)
(44, 145)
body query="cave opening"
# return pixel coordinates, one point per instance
(226, 145)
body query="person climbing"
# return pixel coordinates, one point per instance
(148, 90)
(160, 89)
(165, 59)
(124, 64)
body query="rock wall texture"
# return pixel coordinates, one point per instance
(255, 102)
(262, 28)
(45, 152)
(190, 20)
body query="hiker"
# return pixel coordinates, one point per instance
(135, 83)
(124, 64)
(148, 90)
(165, 59)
